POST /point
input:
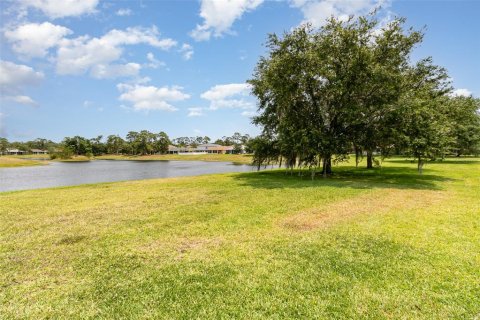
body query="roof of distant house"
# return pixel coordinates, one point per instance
(209, 145)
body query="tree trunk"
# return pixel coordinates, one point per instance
(327, 166)
(357, 156)
(369, 159)
(420, 165)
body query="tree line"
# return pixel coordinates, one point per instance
(143, 142)
(351, 87)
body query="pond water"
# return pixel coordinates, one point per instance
(58, 174)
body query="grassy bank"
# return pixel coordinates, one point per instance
(33, 156)
(386, 243)
(11, 162)
(74, 159)
(236, 158)
(25, 159)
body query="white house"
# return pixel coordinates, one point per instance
(14, 152)
(201, 149)
(39, 151)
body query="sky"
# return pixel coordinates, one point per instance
(96, 67)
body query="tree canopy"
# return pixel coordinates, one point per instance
(351, 85)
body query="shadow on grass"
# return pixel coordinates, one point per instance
(345, 177)
(446, 161)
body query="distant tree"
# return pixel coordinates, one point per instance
(423, 124)
(97, 146)
(19, 145)
(227, 141)
(115, 144)
(3, 145)
(181, 141)
(132, 138)
(78, 145)
(144, 142)
(161, 142)
(219, 142)
(265, 150)
(384, 58)
(464, 113)
(40, 143)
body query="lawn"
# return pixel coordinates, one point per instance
(385, 243)
(33, 156)
(236, 158)
(10, 162)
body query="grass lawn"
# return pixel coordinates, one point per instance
(74, 159)
(10, 162)
(236, 158)
(33, 156)
(385, 243)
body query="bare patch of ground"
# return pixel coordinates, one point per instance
(377, 202)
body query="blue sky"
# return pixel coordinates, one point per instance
(96, 67)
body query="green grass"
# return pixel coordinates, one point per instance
(385, 243)
(11, 162)
(32, 156)
(236, 158)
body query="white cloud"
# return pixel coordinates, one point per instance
(223, 91)
(187, 51)
(123, 12)
(101, 57)
(248, 113)
(219, 16)
(63, 8)
(154, 63)
(141, 80)
(146, 98)
(461, 93)
(195, 112)
(317, 12)
(34, 40)
(13, 77)
(21, 100)
(231, 95)
(111, 71)
(82, 54)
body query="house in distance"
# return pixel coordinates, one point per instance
(201, 149)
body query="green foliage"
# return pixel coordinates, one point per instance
(77, 145)
(190, 141)
(351, 86)
(3, 145)
(464, 114)
(64, 153)
(146, 142)
(115, 144)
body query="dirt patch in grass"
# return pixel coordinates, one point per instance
(377, 202)
(71, 239)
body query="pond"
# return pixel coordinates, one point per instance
(57, 174)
